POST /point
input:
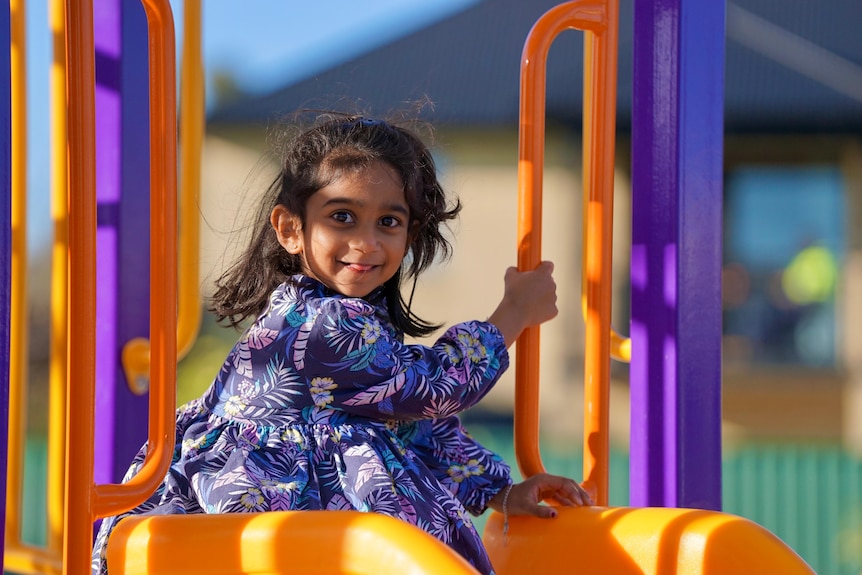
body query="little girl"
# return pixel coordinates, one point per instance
(320, 404)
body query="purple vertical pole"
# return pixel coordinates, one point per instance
(677, 157)
(120, 414)
(5, 251)
(134, 274)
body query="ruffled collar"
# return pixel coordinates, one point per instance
(375, 298)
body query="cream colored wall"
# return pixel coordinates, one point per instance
(481, 169)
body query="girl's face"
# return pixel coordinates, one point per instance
(356, 230)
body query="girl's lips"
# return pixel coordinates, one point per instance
(360, 267)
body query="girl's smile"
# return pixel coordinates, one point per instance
(356, 230)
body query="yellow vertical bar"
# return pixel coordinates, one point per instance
(136, 352)
(18, 312)
(600, 73)
(79, 493)
(192, 96)
(59, 283)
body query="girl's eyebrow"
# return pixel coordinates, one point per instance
(399, 208)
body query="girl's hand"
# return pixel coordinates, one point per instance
(529, 298)
(525, 497)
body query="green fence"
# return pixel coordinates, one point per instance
(809, 496)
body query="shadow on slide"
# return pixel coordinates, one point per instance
(638, 541)
(278, 542)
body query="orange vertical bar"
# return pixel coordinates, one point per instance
(110, 499)
(18, 356)
(600, 73)
(598, 20)
(80, 81)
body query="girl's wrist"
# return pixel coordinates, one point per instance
(501, 497)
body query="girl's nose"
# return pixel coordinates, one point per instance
(365, 240)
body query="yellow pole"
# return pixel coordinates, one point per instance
(136, 352)
(59, 284)
(192, 96)
(18, 314)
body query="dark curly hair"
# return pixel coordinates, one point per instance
(313, 159)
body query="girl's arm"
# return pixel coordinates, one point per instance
(354, 363)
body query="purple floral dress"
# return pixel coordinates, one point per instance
(321, 406)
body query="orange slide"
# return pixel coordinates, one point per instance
(285, 542)
(639, 541)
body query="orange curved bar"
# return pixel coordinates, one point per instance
(136, 353)
(22, 558)
(111, 499)
(638, 541)
(283, 542)
(598, 19)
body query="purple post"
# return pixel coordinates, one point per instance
(5, 252)
(677, 146)
(123, 228)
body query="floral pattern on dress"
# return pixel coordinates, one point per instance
(320, 405)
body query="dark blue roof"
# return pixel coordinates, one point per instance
(791, 65)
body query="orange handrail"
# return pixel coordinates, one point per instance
(599, 20)
(136, 352)
(112, 498)
(86, 501)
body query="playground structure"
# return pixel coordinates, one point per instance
(662, 533)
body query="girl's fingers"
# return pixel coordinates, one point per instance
(525, 498)
(565, 491)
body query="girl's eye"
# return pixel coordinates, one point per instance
(390, 221)
(343, 217)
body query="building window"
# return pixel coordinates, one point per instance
(784, 239)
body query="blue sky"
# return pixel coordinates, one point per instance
(263, 43)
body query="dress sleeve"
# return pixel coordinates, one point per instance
(355, 363)
(473, 473)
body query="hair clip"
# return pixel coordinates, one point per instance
(369, 121)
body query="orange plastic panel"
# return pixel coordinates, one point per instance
(286, 542)
(638, 541)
